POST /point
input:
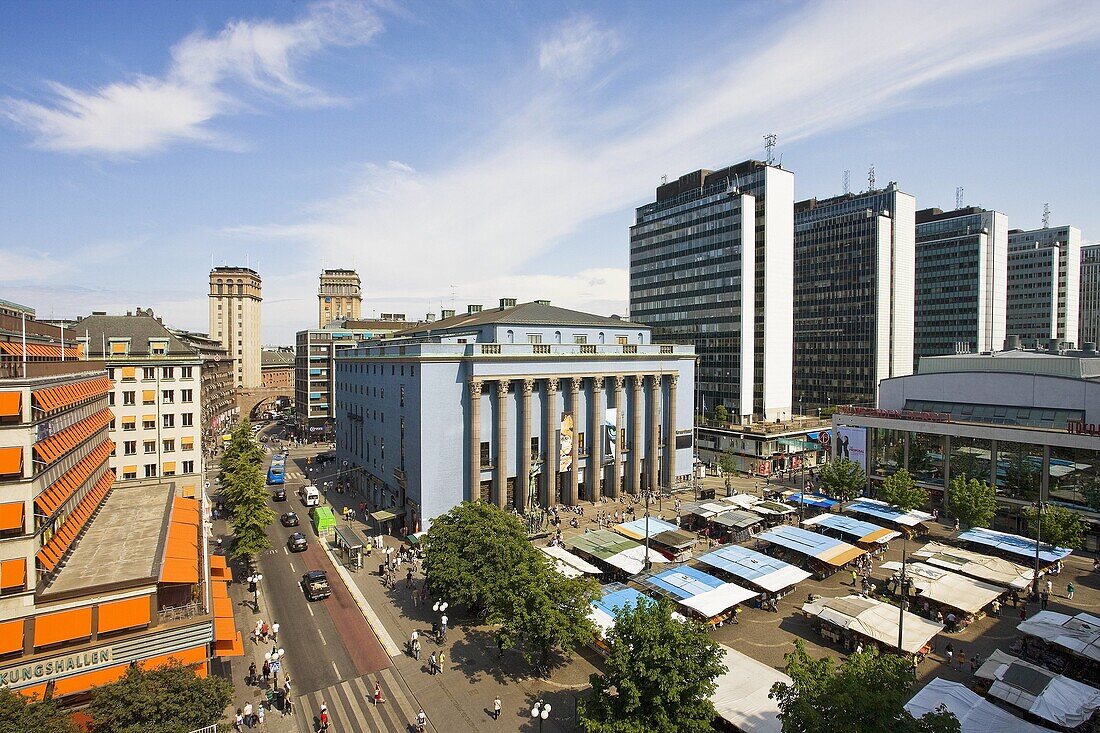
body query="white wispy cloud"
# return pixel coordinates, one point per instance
(207, 77)
(576, 45)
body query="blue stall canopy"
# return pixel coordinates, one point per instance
(755, 567)
(1014, 544)
(882, 510)
(694, 589)
(815, 500)
(860, 531)
(811, 544)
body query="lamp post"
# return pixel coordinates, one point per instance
(440, 607)
(648, 564)
(540, 712)
(904, 589)
(1038, 543)
(254, 586)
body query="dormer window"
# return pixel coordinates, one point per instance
(119, 347)
(158, 347)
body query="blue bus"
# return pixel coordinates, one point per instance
(276, 474)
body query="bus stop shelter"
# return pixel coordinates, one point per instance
(350, 543)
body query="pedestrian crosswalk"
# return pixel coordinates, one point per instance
(351, 706)
(295, 475)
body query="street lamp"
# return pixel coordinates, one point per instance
(1038, 544)
(440, 607)
(904, 589)
(254, 587)
(540, 712)
(648, 564)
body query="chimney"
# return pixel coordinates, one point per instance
(446, 313)
(1012, 343)
(507, 303)
(430, 317)
(471, 309)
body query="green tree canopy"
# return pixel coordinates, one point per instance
(1021, 477)
(169, 699)
(865, 694)
(900, 491)
(18, 713)
(842, 479)
(727, 462)
(721, 414)
(546, 610)
(660, 675)
(1061, 527)
(244, 492)
(971, 501)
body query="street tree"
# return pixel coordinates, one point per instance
(1061, 527)
(842, 479)
(900, 490)
(20, 713)
(865, 694)
(971, 501)
(168, 699)
(722, 414)
(250, 515)
(660, 673)
(727, 462)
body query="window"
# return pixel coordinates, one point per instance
(534, 447)
(110, 372)
(168, 421)
(186, 395)
(129, 474)
(185, 372)
(129, 423)
(402, 395)
(168, 396)
(148, 397)
(580, 339)
(485, 462)
(534, 338)
(188, 466)
(130, 447)
(150, 446)
(187, 419)
(128, 398)
(149, 424)
(169, 445)
(168, 372)
(148, 373)
(580, 444)
(158, 348)
(110, 399)
(622, 340)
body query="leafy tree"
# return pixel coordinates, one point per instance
(971, 501)
(900, 491)
(865, 694)
(1021, 476)
(660, 675)
(842, 480)
(1090, 492)
(19, 713)
(727, 462)
(1061, 527)
(722, 414)
(169, 699)
(250, 514)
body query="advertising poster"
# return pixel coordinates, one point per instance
(611, 433)
(565, 456)
(851, 443)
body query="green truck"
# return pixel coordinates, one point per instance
(322, 519)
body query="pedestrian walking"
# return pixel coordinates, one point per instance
(431, 664)
(259, 714)
(267, 671)
(995, 607)
(416, 650)
(1044, 599)
(275, 632)
(238, 721)
(442, 660)
(1050, 586)
(956, 525)
(853, 578)
(378, 699)
(1070, 588)
(1023, 613)
(409, 578)
(288, 704)
(949, 650)
(496, 708)
(443, 627)
(252, 673)
(248, 714)
(960, 658)
(421, 721)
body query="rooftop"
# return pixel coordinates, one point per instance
(276, 358)
(537, 313)
(139, 328)
(122, 546)
(1069, 364)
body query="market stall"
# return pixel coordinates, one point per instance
(755, 568)
(809, 504)
(1079, 634)
(602, 612)
(742, 694)
(735, 525)
(600, 546)
(704, 596)
(1014, 545)
(825, 554)
(570, 565)
(951, 591)
(1039, 691)
(849, 619)
(866, 535)
(912, 522)
(989, 568)
(974, 712)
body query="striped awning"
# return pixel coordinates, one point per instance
(66, 395)
(50, 449)
(50, 554)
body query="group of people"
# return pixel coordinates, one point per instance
(262, 631)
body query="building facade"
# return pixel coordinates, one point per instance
(340, 297)
(854, 286)
(314, 388)
(961, 281)
(521, 405)
(277, 368)
(219, 404)
(1022, 420)
(235, 298)
(711, 264)
(1089, 322)
(1044, 284)
(155, 397)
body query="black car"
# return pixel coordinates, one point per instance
(289, 519)
(279, 495)
(296, 542)
(315, 585)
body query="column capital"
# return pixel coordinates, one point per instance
(673, 379)
(552, 386)
(502, 387)
(620, 380)
(575, 384)
(528, 387)
(597, 383)
(638, 380)
(475, 387)
(654, 382)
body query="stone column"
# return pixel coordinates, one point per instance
(523, 472)
(575, 384)
(637, 438)
(670, 432)
(500, 485)
(595, 442)
(616, 461)
(552, 411)
(475, 438)
(654, 432)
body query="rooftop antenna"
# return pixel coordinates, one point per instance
(664, 179)
(452, 296)
(769, 146)
(871, 178)
(959, 197)
(847, 182)
(1046, 216)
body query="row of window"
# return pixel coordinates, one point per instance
(149, 397)
(129, 422)
(151, 470)
(168, 372)
(129, 447)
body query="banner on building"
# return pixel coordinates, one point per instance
(565, 454)
(851, 443)
(611, 432)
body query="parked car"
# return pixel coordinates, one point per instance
(289, 519)
(279, 495)
(315, 584)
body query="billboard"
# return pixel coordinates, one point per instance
(851, 443)
(565, 454)
(611, 434)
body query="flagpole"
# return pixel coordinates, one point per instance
(24, 316)
(63, 341)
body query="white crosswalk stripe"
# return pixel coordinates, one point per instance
(351, 706)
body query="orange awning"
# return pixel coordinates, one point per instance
(66, 395)
(169, 467)
(59, 491)
(11, 404)
(11, 516)
(54, 628)
(124, 614)
(219, 590)
(178, 570)
(59, 544)
(88, 680)
(148, 395)
(224, 629)
(233, 648)
(11, 636)
(11, 461)
(181, 554)
(218, 569)
(13, 573)
(41, 351)
(50, 449)
(193, 655)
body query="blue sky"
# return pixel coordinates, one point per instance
(493, 150)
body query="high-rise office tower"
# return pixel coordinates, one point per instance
(1089, 323)
(339, 298)
(711, 264)
(962, 281)
(235, 298)
(853, 295)
(1044, 283)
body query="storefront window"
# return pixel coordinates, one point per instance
(970, 457)
(1075, 477)
(1019, 470)
(926, 459)
(887, 451)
